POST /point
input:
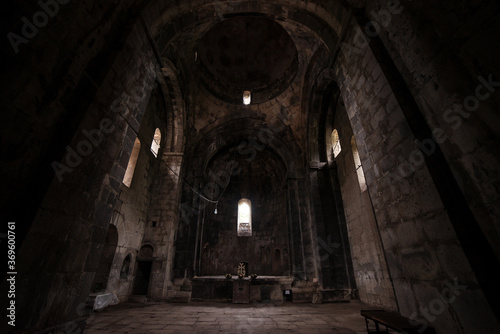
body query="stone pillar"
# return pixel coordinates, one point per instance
(294, 225)
(298, 263)
(164, 210)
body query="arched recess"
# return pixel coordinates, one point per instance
(337, 275)
(143, 270)
(106, 260)
(125, 269)
(250, 135)
(320, 97)
(175, 107)
(339, 201)
(259, 183)
(241, 140)
(166, 189)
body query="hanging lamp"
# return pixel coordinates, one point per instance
(247, 95)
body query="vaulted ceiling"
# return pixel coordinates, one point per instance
(223, 49)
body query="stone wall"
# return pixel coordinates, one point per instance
(370, 267)
(163, 213)
(163, 222)
(87, 142)
(266, 251)
(76, 95)
(452, 72)
(418, 238)
(130, 214)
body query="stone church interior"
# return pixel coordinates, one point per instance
(298, 152)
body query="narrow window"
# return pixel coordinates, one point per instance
(244, 218)
(247, 97)
(132, 162)
(155, 145)
(357, 165)
(336, 143)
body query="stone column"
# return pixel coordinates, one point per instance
(165, 211)
(295, 228)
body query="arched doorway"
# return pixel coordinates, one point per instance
(106, 260)
(143, 273)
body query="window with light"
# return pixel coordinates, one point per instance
(132, 162)
(244, 218)
(336, 143)
(358, 166)
(155, 145)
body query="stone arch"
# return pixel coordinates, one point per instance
(146, 251)
(313, 15)
(325, 100)
(119, 222)
(235, 132)
(175, 107)
(144, 269)
(319, 21)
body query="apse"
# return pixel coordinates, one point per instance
(258, 186)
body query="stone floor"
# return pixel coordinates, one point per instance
(208, 318)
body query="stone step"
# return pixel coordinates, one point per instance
(179, 296)
(181, 284)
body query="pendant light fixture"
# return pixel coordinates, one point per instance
(247, 95)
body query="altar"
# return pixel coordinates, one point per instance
(241, 290)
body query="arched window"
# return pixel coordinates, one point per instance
(125, 267)
(132, 162)
(244, 218)
(155, 145)
(336, 143)
(247, 97)
(357, 165)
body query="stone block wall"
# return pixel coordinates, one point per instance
(456, 89)
(452, 72)
(417, 236)
(130, 213)
(163, 221)
(370, 268)
(88, 138)
(77, 93)
(267, 250)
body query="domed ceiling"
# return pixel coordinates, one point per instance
(247, 53)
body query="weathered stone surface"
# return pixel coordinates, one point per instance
(408, 211)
